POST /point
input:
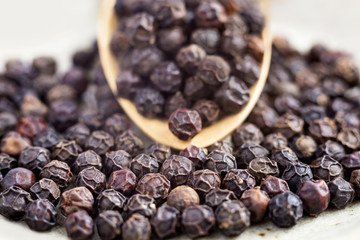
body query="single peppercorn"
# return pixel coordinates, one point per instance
(248, 152)
(47, 139)
(45, 189)
(264, 117)
(116, 160)
(262, 167)
(40, 215)
(275, 141)
(232, 217)
(149, 102)
(209, 111)
(76, 78)
(137, 227)
(100, 141)
(76, 199)
(169, 12)
(210, 14)
(350, 138)
(341, 192)
(208, 39)
(144, 60)
(7, 163)
(63, 113)
(273, 186)
(166, 221)
(332, 149)
(289, 125)
(195, 154)
(182, 197)
(295, 174)
(351, 162)
(45, 65)
(323, 129)
(143, 164)
(20, 177)
(123, 180)
(13, 202)
(139, 30)
(167, 77)
(304, 147)
(196, 89)
(247, 69)
(109, 224)
(285, 209)
(220, 162)
(91, 178)
(284, 157)
(31, 126)
(79, 226)
(256, 201)
(238, 180)
(315, 196)
(174, 102)
(154, 185)
(110, 199)
(158, 151)
(188, 58)
(92, 118)
(217, 196)
(247, 133)
(57, 171)
(78, 133)
(13, 143)
(197, 220)
(233, 43)
(355, 181)
(326, 168)
(222, 145)
(185, 123)
(203, 181)
(8, 122)
(34, 158)
(177, 169)
(129, 142)
(86, 159)
(141, 204)
(171, 39)
(213, 70)
(66, 151)
(117, 124)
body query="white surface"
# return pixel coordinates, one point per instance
(48, 27)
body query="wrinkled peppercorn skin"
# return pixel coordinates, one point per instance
(198, 220)
(79, 226)
(76, 199)
(13, 202)
(40, 215)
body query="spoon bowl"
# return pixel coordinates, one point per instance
(158, 129)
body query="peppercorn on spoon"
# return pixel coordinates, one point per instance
(158, 129)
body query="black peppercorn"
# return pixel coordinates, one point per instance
(185, 123)
(248, 152)
(169, 12)
(210, 14)
(123, 180)
(213, 70)
(289, 125)
(34, 158)
(174, 102)
(341, 192)
(109, 224)
(91, 178)
(136, 227)
(220, 162)
(149, 102)
(256, 201)
(295, 173)
(195, 154)
(100, 141)
(304, 147)
(66, 151)
(31, 126)
(285, 209)
(158, 151)
(203, 181)
(76, 199)
(139, 30)
(20, 177)
(154, 185)
(326, 168)
(273, 186)
(247, 133)
(238, 180)
(7, 163)
(13, 143)
(78, 133)
(13, 202)
(166, 221)
(171, 39)
(144, 60)
(57, 171)
(40, 215)
(167, 77)
(79, 226)
(45, 189)
(323, 129)
(284, 156)
(63, 114)
(209, 111)
(87, 159)
(110, 199)
(198, 220)
(217, 196)
(129, 142)
(116, 160)
(332, 149)
(117, 124)
(208, 39)
(141, 204)
(188, 58)
(182, 197)
(262, 167)
(350, 138)
(47, 139)
(177, 169)
(143, 164)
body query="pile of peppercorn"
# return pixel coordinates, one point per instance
(189, 61)
(67, 149)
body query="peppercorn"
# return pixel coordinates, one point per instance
(155, 185)
(109, 224)
(222, 145)
(100, 141)
(137, 227)
(167, 77)
(66, 151)
(289, 125)
(143, 164)
(326, 168)
(144, 60)
(45, 189)
(123, 180)
(209, 111)
(247, 69)
(139, 30)
(13, 143)
(195, 154)
(63, 114)
(247, 133)
(177, 169)
(7, 163)
(44, 65)
(262, 167)
(295, 173)
(47, 139)
(166, 221)
(248, 152)
(169, 12)
(31, 126)
(355, 181)
(117, 124)
(350, 138)
(64, 95)
(332, 149)
(208, 39)
(188, 58)
(220, 162)
(315, 196)
(40, 215)
(185, 123)
(8, 122)
(149, 102)
(323, 129)
(304, 147)
(351, 161)
(213, 70)
(233, 43)
(265, 117)
(79, 226)
(116, 160)
(158, 151)
(311, 113)
(20, 177)
(57, 171)
(197, 220)
(13, 202)
(183, 197)
(284, 156)
(217, 196)
(91, 118)
(210, 14)
(87, 159)
(285, 209)
(171, 39)
(341, 192)
(91, 178)
(196, 89)
(76, 78)
(110, 199)
(273, 186)
(203, 181)
(34, 158)
(141, 204)
(129, 142)
(232, 217)
(238, 180)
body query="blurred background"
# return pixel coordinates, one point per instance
(58, 28)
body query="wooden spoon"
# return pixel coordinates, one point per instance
(158, 129)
